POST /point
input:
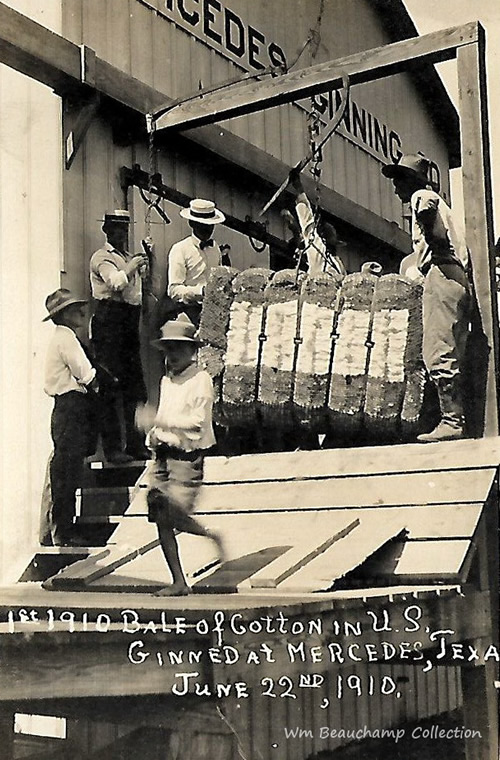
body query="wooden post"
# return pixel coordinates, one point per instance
(480, 712)
(476, 172)
(7, 735)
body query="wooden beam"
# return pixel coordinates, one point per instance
(84, 664)
(476, 173)
(366, 66)
(37, 52)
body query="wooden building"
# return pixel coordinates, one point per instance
(87, 73)
(109, 64)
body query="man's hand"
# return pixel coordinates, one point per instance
(137, 262)
(144, 417)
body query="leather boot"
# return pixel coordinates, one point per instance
(451, 426)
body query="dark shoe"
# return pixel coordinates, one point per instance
(119, 457)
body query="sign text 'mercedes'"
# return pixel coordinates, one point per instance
(224, 30)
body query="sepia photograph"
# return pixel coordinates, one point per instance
(249, 315)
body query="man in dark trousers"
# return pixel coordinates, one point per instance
(443, 259)
(116, 282)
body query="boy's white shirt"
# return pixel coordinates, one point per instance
(184, 415)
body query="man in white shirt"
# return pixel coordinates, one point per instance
(68, 376)
(442, 258)
(190, 260)
(116, 283)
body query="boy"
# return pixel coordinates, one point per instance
(181, 433)
(68, 376)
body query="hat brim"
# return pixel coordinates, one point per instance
(392, 171)
(217, 218)
(62, 307)
(160, 343)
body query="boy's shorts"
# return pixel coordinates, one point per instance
(177, 479)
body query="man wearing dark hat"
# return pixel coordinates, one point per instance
(68, 376)
(116, 283)
(443, 259)
(190, 260)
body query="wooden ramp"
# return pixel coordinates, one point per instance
(314, 521)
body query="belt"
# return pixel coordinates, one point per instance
(170, 452)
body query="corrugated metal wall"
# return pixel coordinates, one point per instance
(30, 254)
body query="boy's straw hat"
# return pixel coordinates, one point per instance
(178, 330)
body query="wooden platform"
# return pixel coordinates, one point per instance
(305, 522)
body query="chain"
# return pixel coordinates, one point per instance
(314, 129)
(152, 171)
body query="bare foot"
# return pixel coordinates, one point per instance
(176, 589)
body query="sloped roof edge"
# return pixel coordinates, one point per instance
(399, 25)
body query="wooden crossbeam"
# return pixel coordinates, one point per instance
(366, 66)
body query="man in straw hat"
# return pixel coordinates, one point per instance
(443, 259)
(181, 432)
(68, 377)
(190, 260)
(116, 283)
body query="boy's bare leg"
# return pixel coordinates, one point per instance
(187, 524)
(168, 542)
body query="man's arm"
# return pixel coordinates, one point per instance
(118, 279)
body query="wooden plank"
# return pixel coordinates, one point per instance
(476, 175)
(370, 460)
(94, 665)
(366, 66)
(287, 564)
(234, 572)
(331, 493)
(244, 534)
(436, 559)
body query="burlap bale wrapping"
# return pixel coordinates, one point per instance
(243, 346)
(416, 375)
(211, 359)
(217, 300)
(319, 299)
(275, 379)
(386, 377)
(348, 378)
